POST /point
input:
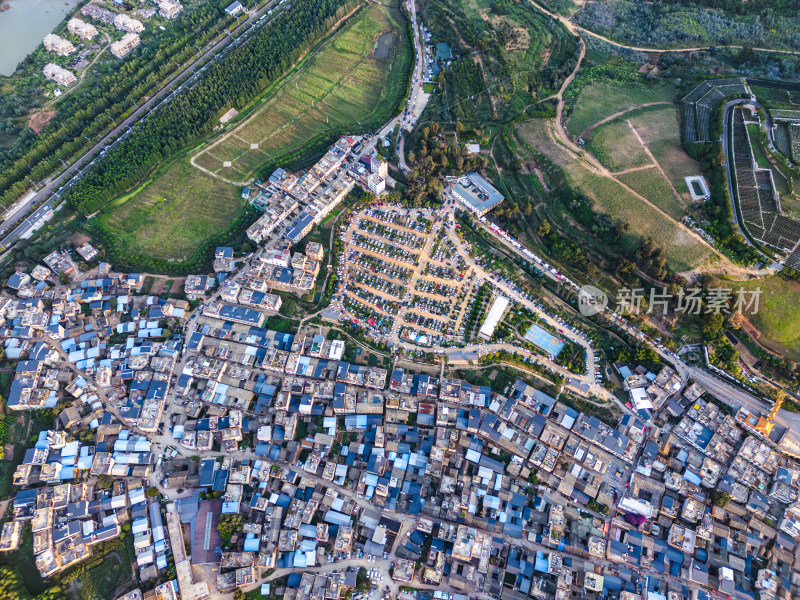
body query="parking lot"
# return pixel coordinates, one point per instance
(399, 273)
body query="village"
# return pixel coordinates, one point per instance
(232, 456)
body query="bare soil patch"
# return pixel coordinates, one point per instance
(40, 119)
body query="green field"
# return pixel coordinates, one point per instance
(654, 186)
(170, 216)
(683, 250)
(600, 100)
(617, 148)
(181, 206)
(660, 131)
(778, 318)
(343, 87)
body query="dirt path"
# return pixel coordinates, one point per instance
(559, 135)
(479, 59)
(304, 61)
(619, 114)
(575, 29)
(655, 162)
(633, 170)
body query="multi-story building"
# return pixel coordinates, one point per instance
(376, 184)
(82, 29)
(57, 44)
(58, 74)
(125, 46)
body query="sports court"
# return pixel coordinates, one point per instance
(544, 340)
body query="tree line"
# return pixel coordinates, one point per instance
(89, 110)
(229, 83)
(13, 588)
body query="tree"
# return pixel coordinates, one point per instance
(228, 525)
(152, 492)
(720, 498)
(104, 482)
(544, 228)
(736, 320)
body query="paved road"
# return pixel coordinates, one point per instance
(417, 99)
(48, 196)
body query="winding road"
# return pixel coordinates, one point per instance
(576, 29)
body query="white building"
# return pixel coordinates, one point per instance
(376, 184)
(379, 166)
(125, 46)
(57, 44)
(128, 24)
(58, 74)
(82, 29)
(493, 318)
(169, 9)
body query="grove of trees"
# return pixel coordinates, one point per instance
(228, 83)
(105, 97)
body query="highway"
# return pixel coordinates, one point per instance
(48, 196)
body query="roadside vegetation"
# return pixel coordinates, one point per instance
(109, 93)
(172, 222)
(231, 83)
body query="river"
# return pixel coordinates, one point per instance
(24, 25)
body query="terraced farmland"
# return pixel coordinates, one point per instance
(343, 87)
(683, 250)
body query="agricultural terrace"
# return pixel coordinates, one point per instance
(777, 322)
(789, 191)
(599, 101)
(516, 53)
(172, 214)
(646, 218)
(352, 82)
(400, 272)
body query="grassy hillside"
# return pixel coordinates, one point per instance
(332, 91)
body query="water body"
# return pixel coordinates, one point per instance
(384, 45)
(24, 25)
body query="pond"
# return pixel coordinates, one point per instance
(384, 45)
(23, 27)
